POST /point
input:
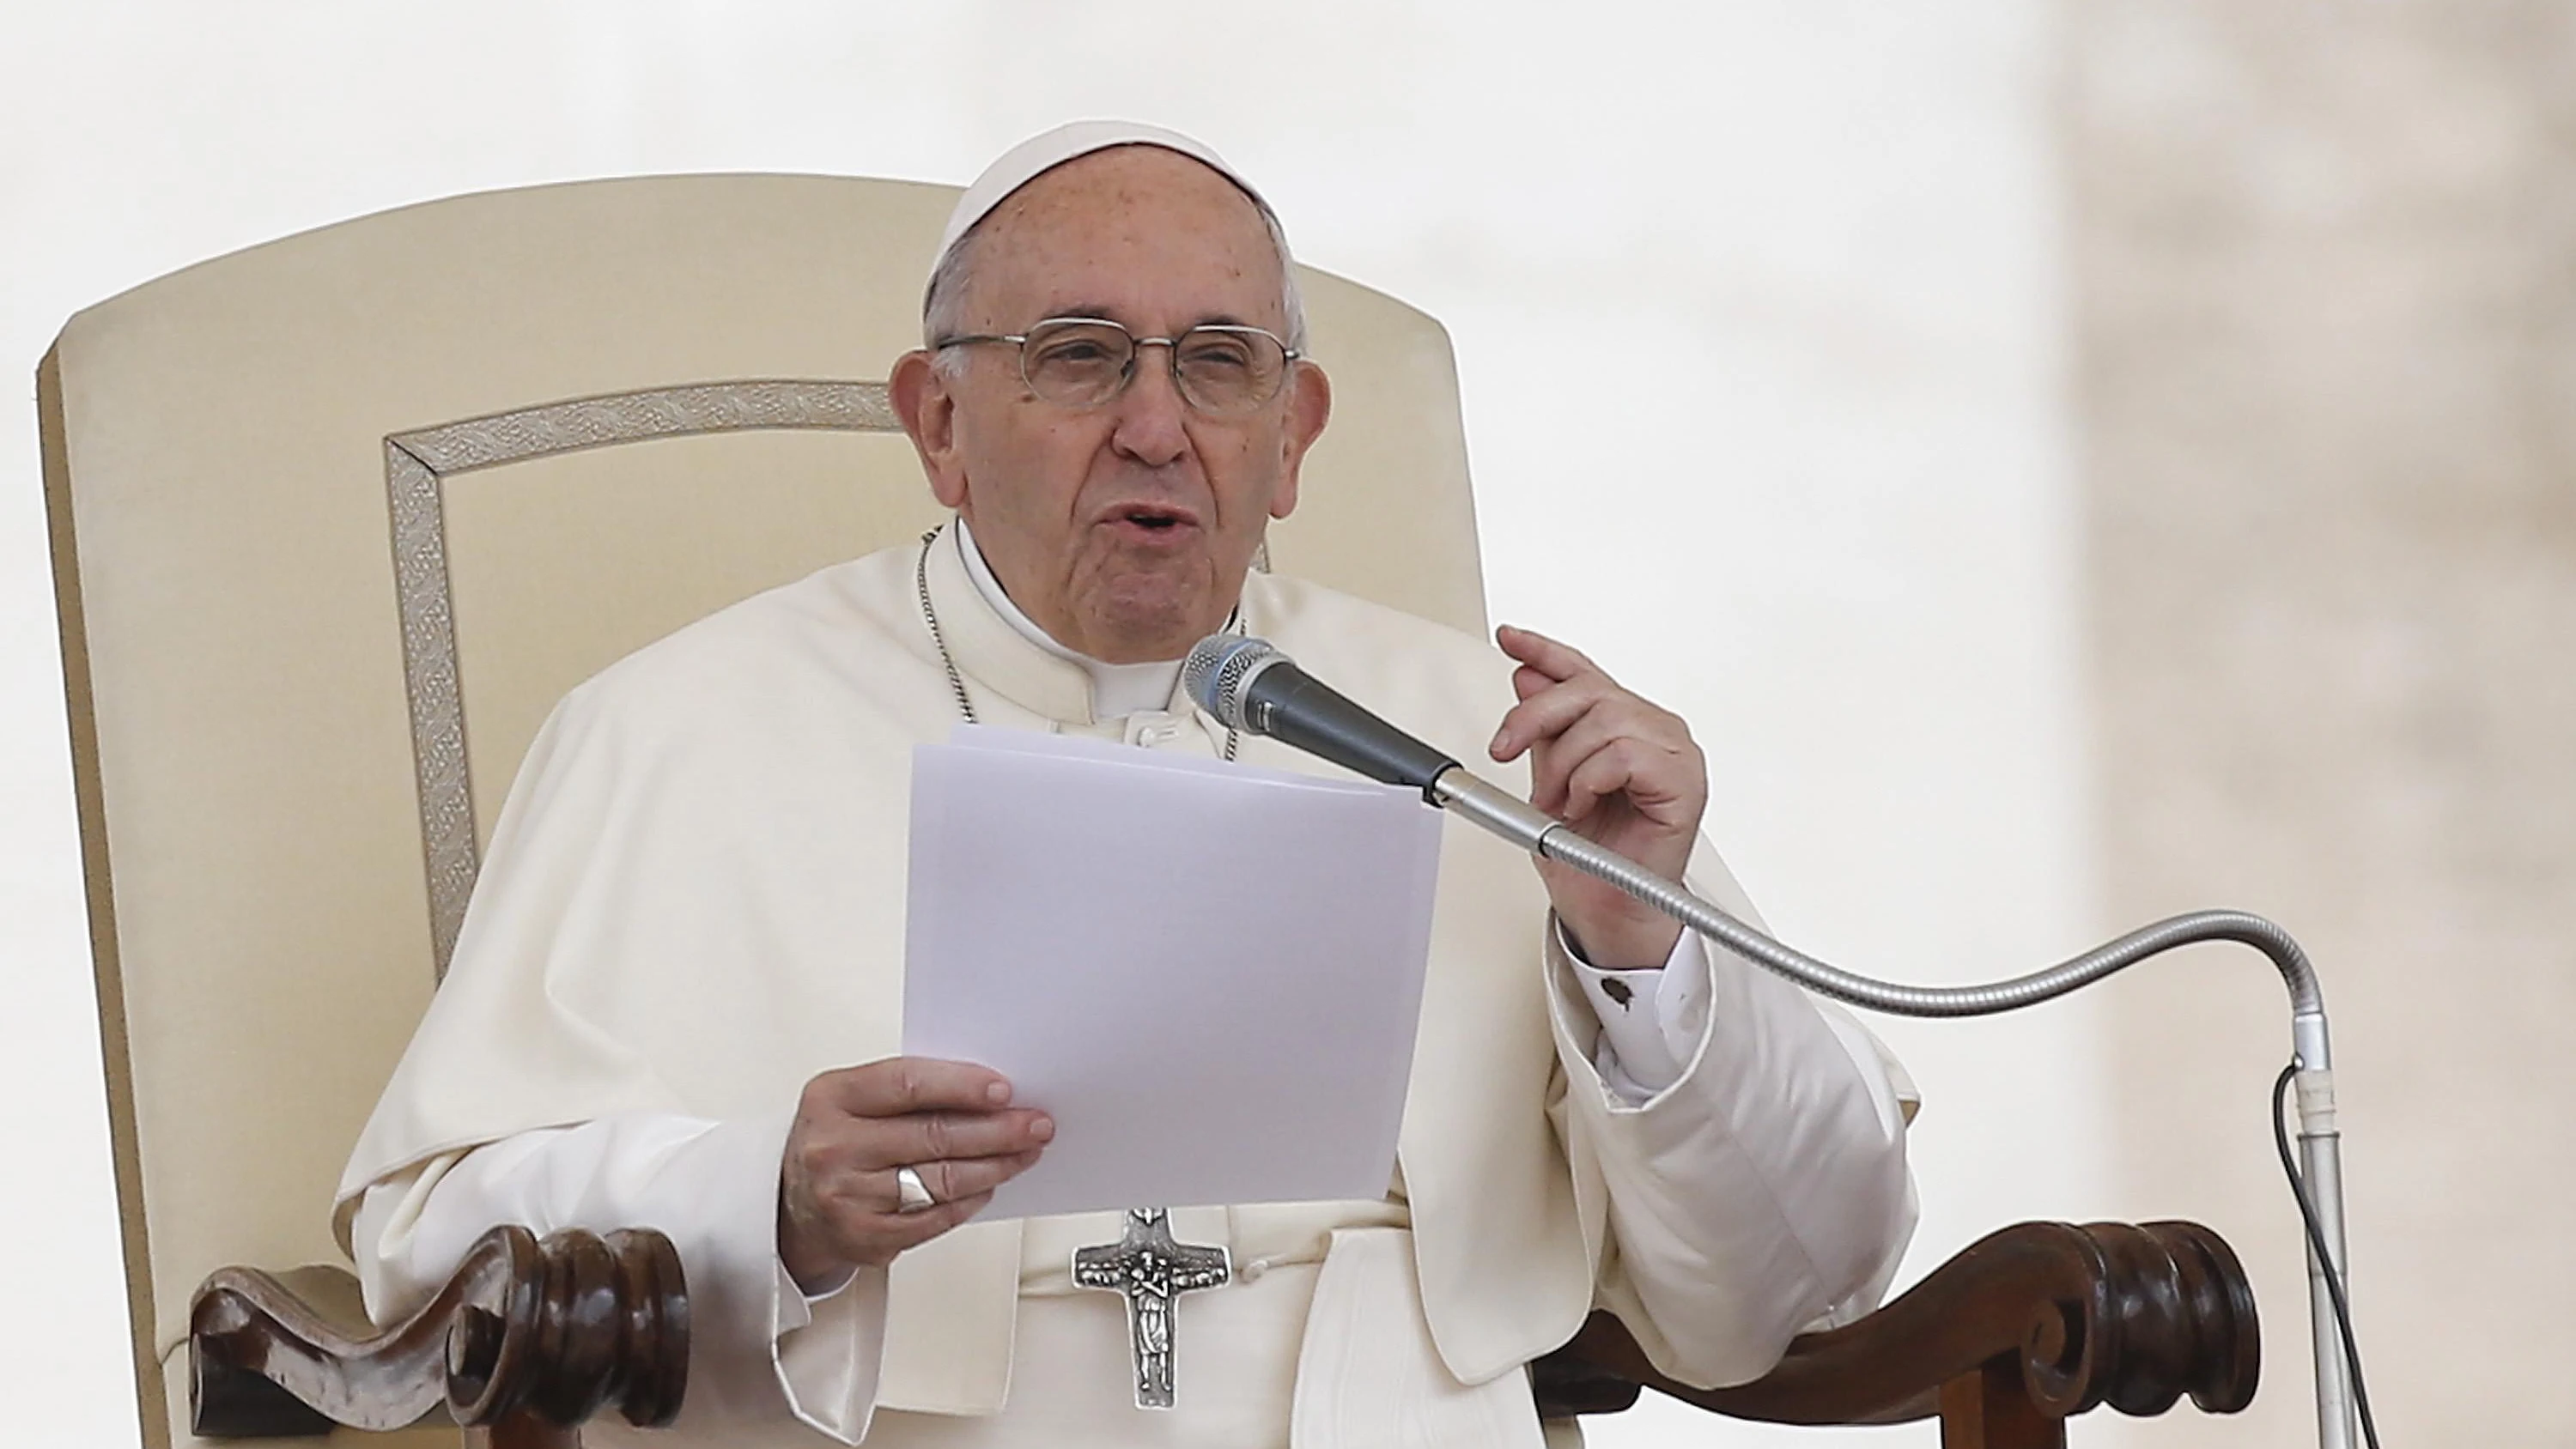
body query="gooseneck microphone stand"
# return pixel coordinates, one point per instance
(1249, 685)
(2320, 1149)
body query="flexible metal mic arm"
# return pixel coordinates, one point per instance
(2320, 1156)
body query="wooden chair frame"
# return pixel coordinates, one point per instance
(2003, 1343)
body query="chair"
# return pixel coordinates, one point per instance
(334, 522)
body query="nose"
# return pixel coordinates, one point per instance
(1150, 410)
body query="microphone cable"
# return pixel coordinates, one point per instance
(2317, 1244)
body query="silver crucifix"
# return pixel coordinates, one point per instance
(1150, 1270)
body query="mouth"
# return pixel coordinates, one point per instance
(1151, 521)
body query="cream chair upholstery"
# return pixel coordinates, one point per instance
(336, 519)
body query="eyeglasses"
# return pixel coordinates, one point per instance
(1084, 362)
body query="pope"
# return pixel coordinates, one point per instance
(675, 1002)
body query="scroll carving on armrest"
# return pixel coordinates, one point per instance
(2132, 1316)
(562, 1329)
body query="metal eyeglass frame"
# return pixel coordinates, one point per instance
(1288, 358)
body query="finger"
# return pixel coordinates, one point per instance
(877, 1142)
(1625, 717)
(1527, 681)
(973, 1177)
(1554, 766)
(856, 1208)
(1556, 660)
(1627, 767)
(896, 1232)
(897, 1085)
(1554, 755)
(1545, 714)
(1602, 773)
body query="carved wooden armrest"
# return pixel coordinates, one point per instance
(527, 1340)
(2004, 1342)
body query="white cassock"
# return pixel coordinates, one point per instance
(693, 903)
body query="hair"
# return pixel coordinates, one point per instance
(943, 307)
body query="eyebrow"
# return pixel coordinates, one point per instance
(1110, 314)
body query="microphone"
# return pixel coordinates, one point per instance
(1249, 685)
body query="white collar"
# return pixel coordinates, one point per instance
(1117, 690)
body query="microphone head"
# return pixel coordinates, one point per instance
(1217, 670)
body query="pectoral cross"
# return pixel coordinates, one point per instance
(1150, 1271)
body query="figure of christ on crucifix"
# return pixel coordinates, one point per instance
(1150, 1269)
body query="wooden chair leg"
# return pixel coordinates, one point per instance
(569, 1327)
(1990, 1409)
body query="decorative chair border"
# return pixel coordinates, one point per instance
(417, 465)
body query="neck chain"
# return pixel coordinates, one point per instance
(947, 661)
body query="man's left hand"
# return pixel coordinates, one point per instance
(1622, 772)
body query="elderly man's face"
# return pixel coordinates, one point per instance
(1123, 530)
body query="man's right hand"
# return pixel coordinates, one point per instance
(951, 1122)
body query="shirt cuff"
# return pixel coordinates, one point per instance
(796, 1307)
(1651, 1017)
(827, 1347)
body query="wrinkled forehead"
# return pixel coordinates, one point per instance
(1138, 234)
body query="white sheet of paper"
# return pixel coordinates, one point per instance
(1209, 974)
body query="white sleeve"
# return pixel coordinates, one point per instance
(1650, 1016)
(1759, 1192)
(759, 1348)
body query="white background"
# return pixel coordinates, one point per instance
(1759, 314)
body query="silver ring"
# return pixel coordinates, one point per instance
(911, 1194)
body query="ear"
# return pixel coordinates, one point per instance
(921, 397)
(1310, 406)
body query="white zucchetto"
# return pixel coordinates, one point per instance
(1047, 150)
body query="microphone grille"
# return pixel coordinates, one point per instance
(1215, 672)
